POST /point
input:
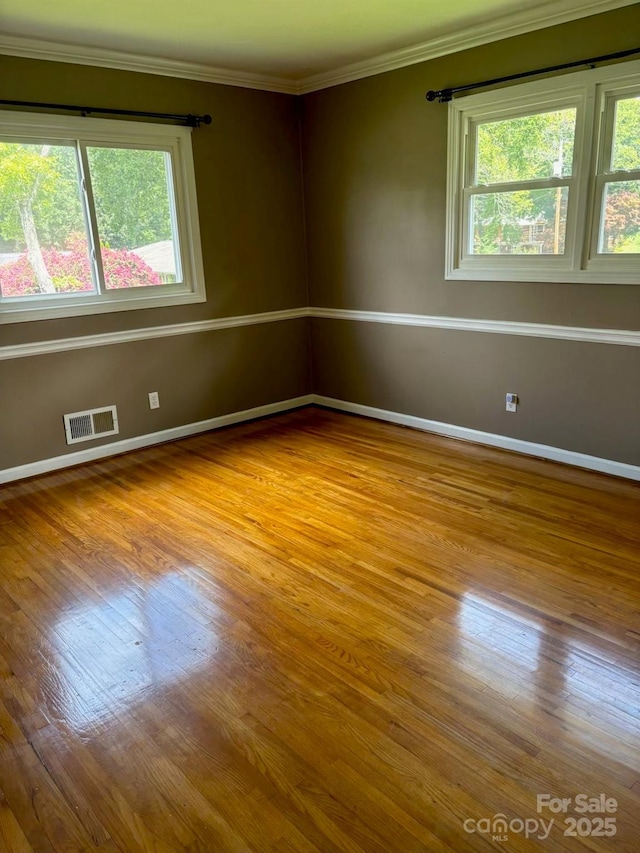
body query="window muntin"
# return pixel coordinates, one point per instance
(95, 215)
(544, 180)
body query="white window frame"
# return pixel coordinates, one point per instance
(593, 93)
(82, 132)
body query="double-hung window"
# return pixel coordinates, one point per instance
(544, 180)
(95, 215)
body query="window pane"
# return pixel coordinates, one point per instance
(526, 148)
(620, 230)
(133, 197)
(43, 237)
(527, 222)
(626, 135)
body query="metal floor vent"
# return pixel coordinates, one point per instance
(94, 423)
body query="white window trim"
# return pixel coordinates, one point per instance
(175, 140)
(593, 91)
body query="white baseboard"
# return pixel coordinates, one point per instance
(530, 448)
(544, 451)
(43, 466)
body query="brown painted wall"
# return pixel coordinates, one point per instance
(198, 376)
(249, 189)
(461, 377)
(374, 160)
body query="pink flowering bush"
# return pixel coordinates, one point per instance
(70, 271)
(126, 269)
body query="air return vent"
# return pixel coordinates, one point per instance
(94, 423)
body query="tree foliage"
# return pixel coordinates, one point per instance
(41, 214)
(626, 143)
(621, 215)
(526, 148)
(540, 146)
(27, 172)
(130, 192)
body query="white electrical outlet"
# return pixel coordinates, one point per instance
(512, 402)
(154, 400)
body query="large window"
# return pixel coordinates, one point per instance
(544, 180)
(95, 215)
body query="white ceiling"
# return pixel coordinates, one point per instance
(290, 40)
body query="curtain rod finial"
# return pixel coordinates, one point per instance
(441, 95)
(196, 121)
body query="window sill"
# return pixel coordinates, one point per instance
(20, 312)
(549, 276)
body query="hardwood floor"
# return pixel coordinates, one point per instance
(318, 633)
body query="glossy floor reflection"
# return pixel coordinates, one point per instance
(580, 688)
(154, 646)
(317, 633)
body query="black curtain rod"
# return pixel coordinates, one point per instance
(444, 95)
(189, 120)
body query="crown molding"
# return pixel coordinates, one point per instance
(77, 55)
(535, 17)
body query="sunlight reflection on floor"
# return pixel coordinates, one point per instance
(107, 663)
